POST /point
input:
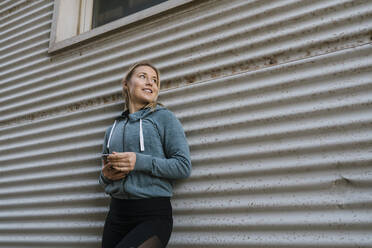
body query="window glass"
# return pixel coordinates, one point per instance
(107, 11)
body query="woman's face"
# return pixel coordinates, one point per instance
(143, 85)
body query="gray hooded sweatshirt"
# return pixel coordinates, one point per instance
(162, 153)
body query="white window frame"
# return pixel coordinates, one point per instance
(72, 20)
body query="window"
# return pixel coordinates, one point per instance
(107, 11)
(76, 21)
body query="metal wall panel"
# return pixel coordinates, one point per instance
(275, 98)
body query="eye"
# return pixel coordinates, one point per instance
(142, 75)
(154, 80)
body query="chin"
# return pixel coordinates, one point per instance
(149, 100)
(146, 101)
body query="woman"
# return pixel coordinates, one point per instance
(147, 150)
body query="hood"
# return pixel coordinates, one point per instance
(139, 115)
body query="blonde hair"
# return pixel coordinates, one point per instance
(126, 79)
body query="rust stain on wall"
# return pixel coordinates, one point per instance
(90, 103)
(251, 64)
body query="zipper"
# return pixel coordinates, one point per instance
(125, 124)
(125, 178)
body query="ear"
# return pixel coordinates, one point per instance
(125, 84)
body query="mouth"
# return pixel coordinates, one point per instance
(147, 90)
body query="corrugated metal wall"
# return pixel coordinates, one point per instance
(275, 98)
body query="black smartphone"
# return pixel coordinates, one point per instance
(104, 156)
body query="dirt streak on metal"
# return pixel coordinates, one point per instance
(64, 109)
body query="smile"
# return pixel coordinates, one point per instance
(147, 90)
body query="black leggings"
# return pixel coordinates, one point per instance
(140, 223)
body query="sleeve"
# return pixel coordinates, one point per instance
(103, 180)
(177, 163)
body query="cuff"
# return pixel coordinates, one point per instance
(104, 179)
(143, 162)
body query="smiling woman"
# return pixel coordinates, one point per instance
(147, 150)
(141, 86)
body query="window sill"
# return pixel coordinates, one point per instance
(54, 46)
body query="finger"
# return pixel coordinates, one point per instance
(106, 170)
(105, 163)
(120, 163)
(107, 167)
(116, 171)
(118, 176)
(117, 159)
(113, 155)
(120, 155)
(121, 169)
(112, 173)
(110, 157)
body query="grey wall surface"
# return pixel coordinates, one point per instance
(275, 98)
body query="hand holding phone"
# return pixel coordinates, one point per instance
(108, 171)
(104, 156)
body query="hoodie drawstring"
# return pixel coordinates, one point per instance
(142, 145)
(112, 130)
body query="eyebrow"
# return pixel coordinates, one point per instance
(146, 74)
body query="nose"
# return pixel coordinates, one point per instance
(149, 81)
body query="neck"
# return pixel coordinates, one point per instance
(134, 107)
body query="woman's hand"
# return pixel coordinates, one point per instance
(122, 161)
(111, 173)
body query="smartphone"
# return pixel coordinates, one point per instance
(104, 156)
